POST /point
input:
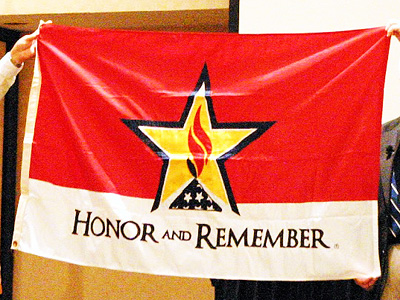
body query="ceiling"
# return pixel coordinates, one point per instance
(212, 20)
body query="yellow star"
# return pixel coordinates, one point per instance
(174, 142)
(195, 149)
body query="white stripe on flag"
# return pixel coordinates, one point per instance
(79, 233)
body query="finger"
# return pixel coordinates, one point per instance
(393, 30)
(32, 36)
(35, 34)
(388, 25)
(373, 281)
(44, 22)
(365, 283)
(392, 22)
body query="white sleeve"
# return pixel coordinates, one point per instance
(8, 73)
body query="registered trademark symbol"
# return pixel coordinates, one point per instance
(336, 246)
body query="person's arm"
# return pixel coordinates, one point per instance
(8, 73)
(11, 64)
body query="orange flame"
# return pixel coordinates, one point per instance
(199, 145)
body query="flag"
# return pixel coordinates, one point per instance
(209, 155)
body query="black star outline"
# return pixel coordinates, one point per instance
(261, 128)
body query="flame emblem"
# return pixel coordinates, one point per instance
(199, 145)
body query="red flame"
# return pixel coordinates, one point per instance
(200, 151)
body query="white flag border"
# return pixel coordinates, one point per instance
(349, 229)
(27, 147)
